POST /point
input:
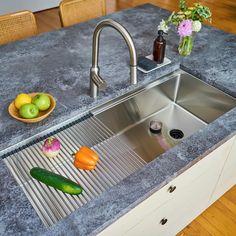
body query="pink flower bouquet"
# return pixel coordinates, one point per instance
(187, 21)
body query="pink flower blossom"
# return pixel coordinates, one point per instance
(185, 28)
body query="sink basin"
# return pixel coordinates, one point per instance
(181, 102)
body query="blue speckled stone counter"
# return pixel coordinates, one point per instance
(59, 62)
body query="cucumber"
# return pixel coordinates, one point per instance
(56, 181)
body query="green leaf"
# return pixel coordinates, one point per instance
(182, 4)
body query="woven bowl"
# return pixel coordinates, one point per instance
(13, 111)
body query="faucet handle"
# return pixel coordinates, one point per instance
(100, 83)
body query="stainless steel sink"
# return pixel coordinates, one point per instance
(182, 103)
(120, 134)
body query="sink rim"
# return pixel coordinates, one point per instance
(115, 101)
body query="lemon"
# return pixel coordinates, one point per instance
(22, 99)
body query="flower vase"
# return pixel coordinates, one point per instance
(185, 45)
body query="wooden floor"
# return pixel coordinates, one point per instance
(224, 12)
(220, 218)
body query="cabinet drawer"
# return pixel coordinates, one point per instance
(212, 161)
(180, 211)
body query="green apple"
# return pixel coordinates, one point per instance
(29, 111)
(42, 101)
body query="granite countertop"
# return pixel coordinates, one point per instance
(58, 63)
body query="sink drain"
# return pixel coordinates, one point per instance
(176, 134)
(155, 126)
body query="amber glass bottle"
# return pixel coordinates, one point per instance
(159, 47)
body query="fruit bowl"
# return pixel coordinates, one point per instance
(42, 114)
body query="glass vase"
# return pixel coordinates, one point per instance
(185, 45)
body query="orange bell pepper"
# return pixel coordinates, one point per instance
(85, 159)
(89, 152)
(83, 166)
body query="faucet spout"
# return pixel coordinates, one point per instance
(96, 82)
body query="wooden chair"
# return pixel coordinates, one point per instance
(17, 26)
(76, 11)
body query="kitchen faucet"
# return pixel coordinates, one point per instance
(96, 82)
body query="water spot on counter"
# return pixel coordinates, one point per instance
(181, 156)
(68, 81)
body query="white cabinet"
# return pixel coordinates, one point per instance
(228, 175)
(179, 211)
(192, 192)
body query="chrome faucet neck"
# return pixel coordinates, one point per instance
(96, 81)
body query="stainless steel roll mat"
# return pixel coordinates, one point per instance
(116, 162)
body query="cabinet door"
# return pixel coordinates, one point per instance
(228, 175)
(170, 218)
